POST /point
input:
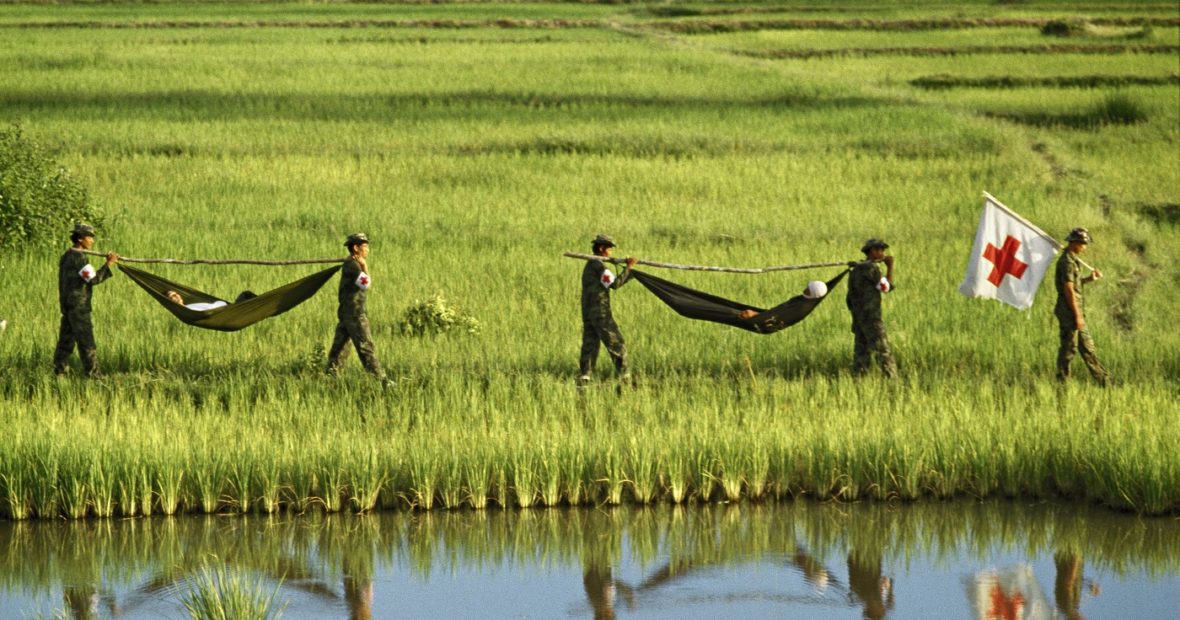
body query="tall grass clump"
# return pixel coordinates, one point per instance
(1120, 109)
(218, 592)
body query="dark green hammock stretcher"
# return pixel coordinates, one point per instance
(234, 316)
(697, 305)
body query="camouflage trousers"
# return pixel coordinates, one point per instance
(596, 331)
(1073, 340)
(869, 339)
(356, 330)
(76, 331)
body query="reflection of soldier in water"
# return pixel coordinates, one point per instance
(82, 601)
(866, 583)
(814, 572)
(1067, 588)
(358, 589)
(602, 589)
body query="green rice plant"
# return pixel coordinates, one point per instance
(526, 486)
(614, 478)
(169, 485)
(331, 487)
(219, 592)
(240, 496)
(270, 489)
(102, 487)
(477, 479)
(645, 475)
(210, 481)
(423, 484)
(551, 478)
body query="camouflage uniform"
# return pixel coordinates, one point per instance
(864, 303)
(74, 298)
(353, 325)
(1069, 269)
(598, 326)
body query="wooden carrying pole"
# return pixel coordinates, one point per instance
(228, 261)
(650, 263)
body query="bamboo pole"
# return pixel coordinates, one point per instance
(650, 263)
(228, 261)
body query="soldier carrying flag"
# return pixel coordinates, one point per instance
(1070, 309)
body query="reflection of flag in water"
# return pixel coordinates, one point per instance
(1007, 594)
(1009, 258)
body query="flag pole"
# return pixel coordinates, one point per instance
(650, 263)
(1056, 244)
(228, 261)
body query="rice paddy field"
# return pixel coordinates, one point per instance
(476, 142)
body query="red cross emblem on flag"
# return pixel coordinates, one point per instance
(1004, 260)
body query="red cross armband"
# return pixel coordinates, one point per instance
(363, 281)
(87, 273)
(884, 286)
(607, 278)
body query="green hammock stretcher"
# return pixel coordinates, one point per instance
(234, 316)
(703, 306)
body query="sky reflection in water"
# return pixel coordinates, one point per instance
(790, 560)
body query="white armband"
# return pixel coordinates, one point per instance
(607, 278)
(363, 281)
(884, 286)
(87, 273)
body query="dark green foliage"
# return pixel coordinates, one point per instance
(1065, 28)
(943, 81)
(1120, 109)
(39, 200)
(1115, 109)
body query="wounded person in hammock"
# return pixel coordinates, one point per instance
(815, 290)
(202, 306)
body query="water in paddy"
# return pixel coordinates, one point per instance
(787, 560)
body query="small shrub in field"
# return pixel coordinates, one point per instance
(1120, 109)
(436, 316)
(39, 200)
(1065, 28)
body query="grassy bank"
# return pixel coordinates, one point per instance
(474, 156)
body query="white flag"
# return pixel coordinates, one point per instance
(1010, 257)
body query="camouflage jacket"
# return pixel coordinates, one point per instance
(864, 296)
(1069, 269)
(595, 291)
(73, 290)
(352, 296)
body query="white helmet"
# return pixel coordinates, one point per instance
(815, 290)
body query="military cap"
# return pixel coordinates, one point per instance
(874, 243)
(82, 230)
(1079, 234)
(603, 240)
(355, 239)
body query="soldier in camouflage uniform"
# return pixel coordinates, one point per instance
(354, 323)
(598, 326)
(865, 285)
(1070, 310)
(75, 279)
